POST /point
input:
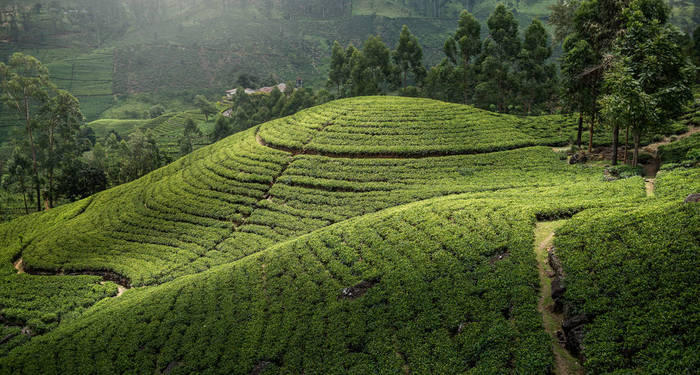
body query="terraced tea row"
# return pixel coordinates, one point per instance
(167, 129)
(240, 197)
(395, 126)
(631, 286)
(445, 286)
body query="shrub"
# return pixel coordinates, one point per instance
(156, 111)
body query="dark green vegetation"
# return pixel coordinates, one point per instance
(685, 150)
(508, 70)
(633, 274)
(380, 253)
(369, 234)
(422, 295)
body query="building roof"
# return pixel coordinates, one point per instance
(262, 90)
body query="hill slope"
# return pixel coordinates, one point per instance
(369, 233)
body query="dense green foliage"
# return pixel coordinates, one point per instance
(435, 303)
(389, 126)
(633, 273)
(686, 149)
(373, 233)
(245, 200)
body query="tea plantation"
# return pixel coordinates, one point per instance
(366, 235)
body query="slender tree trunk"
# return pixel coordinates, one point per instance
(590, 133)
(627, 142)
(35, 166)
(51, 166)
(616, 137)
(24, 194)
(635, 157)
(466, 82)
(405, 77)
(580, 128)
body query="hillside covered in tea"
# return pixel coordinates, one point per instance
(365, 235)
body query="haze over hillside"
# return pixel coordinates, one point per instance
(97, 49)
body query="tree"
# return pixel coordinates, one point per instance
(577, 87)
(185, 143)
(25, 86)
(462, 46)
(248, 81)
(439, 84)
(222, 129)
(81, 179)
(626, 104)
(191, 129)
(18, 168)
(205, 106)
(408, 56)
(539, 78)
(156, 111)
(377, 63)
(498, 81)
(300, 99)
(652, 55)
(347, 69)
(138, 155)
(503, 28)
(361, 79)
(61, 120)
(338, 73)
(562, 18)
(598, 22)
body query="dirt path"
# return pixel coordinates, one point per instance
(564, 363)
(649, 184)
(19, 266)
(120, 288)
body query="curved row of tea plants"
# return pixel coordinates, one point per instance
(40, 302)
(447, 286)
(411, 127)
(225, 204)
(632, 273)
(237, 197)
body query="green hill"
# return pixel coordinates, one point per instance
(375, 234)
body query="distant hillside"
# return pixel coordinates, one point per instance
(98, 49)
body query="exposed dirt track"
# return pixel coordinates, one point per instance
(564, 363)
(19, 266)
(649, 185)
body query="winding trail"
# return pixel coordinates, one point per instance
(19, 266)
(564, 363)
(120, 288)
(649, 185)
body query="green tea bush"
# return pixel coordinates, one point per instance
(201, 236)
(633, 274)
(678, 151)
(412, 288)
